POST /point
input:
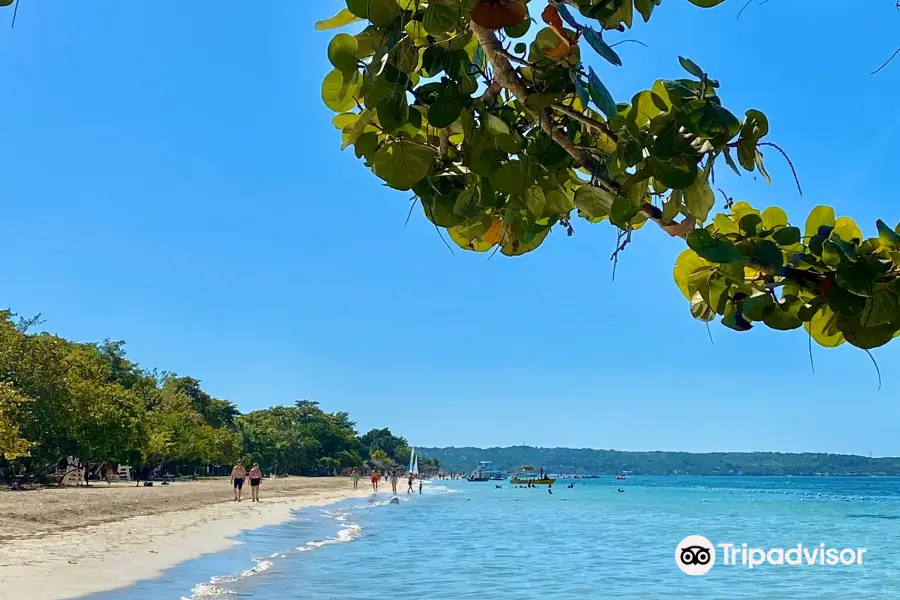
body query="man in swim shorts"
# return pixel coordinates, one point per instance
(238, 474)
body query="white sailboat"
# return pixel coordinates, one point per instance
(413, 464)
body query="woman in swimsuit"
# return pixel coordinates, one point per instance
(374, 480)
(255, 479)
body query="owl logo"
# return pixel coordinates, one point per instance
(695, 555)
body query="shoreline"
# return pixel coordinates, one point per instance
(121, 552)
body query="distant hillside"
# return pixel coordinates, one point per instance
(586, 461)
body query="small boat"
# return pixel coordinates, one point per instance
(526, 476)
(482, 472)
(620, 476)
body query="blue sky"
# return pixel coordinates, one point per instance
(170, 177)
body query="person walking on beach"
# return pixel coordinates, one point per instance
(355, 477)
(374, 480)
(395, 479)
(420, 486)
(238, 473)
(255, 480)
(411, 479)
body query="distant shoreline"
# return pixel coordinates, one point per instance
(136, 540)
(587, 461)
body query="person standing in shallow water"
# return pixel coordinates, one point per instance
(238, 474)
(411, 479)
(420, 486)
(374, 480)
(255, 479)
(355, 478)
(395, 479)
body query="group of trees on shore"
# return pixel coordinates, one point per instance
(587, 461)
(60, 399)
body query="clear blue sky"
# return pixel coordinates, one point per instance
(170, 177)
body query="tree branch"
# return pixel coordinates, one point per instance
(585, 120)
(506, 76)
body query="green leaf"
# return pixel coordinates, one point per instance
(383, 12)
(843, 302)
(445, 111)
(887, 236)
(645, 7)
(517, 31)
(717, 249)
(405, 56)
(401, 164)
(339, 92)
(440, 17)
(357, 128)
(672, 206)
(366, 145)
(392, 112)
(858, 277)
(342, 53)
(787, 236)
(734, 319)
(495, 125)
(601, 96)
(559, 202)
(757, 308)
(699, 198)
(749, 224)
(623, 210)
(593, 201)
(700, 309)
(865, 337)
(535, 200)
(762, 252)
(882, 308)
(345, 17)
(783, 316)
(464, 201)
(675, 174)
(511, 178)
(583, 94)
(820, 216)
(600, 47)
(691, 67)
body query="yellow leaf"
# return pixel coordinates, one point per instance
(823, 329)
(846, 229)
(773, 217)
(493, 234)
(687, 263)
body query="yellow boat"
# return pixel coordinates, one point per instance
(527, 476)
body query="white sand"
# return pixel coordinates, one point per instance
(77, 562)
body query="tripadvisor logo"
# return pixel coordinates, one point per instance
(696, 555)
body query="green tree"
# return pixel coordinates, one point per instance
(396, 448)
(502, 141)
(12, 444)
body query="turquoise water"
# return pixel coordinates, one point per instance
(470, 540)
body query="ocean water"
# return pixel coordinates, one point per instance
(462, 540)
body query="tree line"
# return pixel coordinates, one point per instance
(587, 461)
(61, 399)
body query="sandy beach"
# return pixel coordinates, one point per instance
(101, 538)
